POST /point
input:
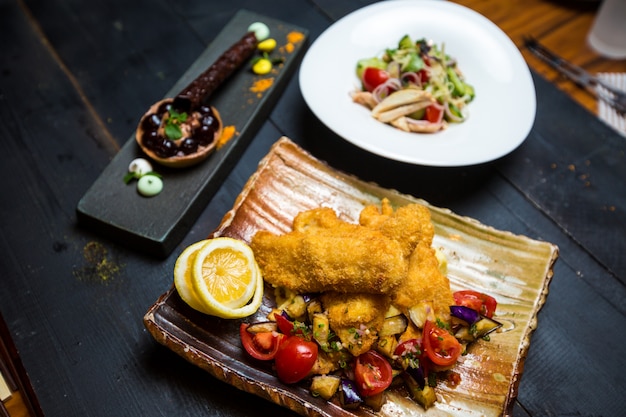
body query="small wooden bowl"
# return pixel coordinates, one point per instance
(178, 161)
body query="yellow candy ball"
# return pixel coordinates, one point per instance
(267, 45)
(262, 66)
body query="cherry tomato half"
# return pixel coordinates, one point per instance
(373, 77)
(372, 373)
(284, 324)
(440, 346)
(262, 345)
(410, 347)
(434, 113)
(483, 303)
(294, 359)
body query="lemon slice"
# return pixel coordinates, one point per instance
(226, 278)
(183, 279)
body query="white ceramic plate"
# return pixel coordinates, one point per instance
(500, 117)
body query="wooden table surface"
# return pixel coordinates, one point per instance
(76, 75)
(562, 26)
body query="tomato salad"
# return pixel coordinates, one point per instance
(415, 354)
(439, 92)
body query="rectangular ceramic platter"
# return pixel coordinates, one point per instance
(515, 269)
(156, 225)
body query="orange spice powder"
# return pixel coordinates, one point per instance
(227, 134)
(259, 86)
(293, 37)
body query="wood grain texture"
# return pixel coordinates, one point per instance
(75, 75)
(559, 24)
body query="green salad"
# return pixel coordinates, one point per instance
(416, 86)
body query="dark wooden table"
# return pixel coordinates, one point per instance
(76, 75)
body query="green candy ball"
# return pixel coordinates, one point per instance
(149, 185)
(260, 29)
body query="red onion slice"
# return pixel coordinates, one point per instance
(451, 116)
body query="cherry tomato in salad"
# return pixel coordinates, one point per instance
(409, 354)
(442, 348)
(434, 113)
(288, 327)
(294, 359)
(373, 77)
(284, 324)
(372, 373)
(262, 346)
(427, 60)
(410, 347)
(483, 303)
(423, 75)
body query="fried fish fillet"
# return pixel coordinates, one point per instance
(324, 253)
(407, 225)
(388, 252)
(412, 227)
(356, 318)
(424, 283)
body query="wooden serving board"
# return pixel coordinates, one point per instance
(156, 225)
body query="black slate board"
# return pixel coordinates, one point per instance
(156, 225)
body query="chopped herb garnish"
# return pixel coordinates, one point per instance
(129, 177)
(135, 175)
(473, 330)
(432, 379)
(300, 327)
(442, 325)
(172, 124)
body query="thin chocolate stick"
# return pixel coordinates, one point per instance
(207, 82)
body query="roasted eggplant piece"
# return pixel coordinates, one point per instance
(262, 327)
(468, 315)
(471, 325)
(425, 395)
(349, 395)
(393, 325)
(325, 386)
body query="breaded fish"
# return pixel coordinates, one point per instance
(388, 252)
(424, 283)
(408, 225)
(323, 253)
(355, 318)
(411, 225)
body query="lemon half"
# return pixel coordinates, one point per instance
(183, 279)
(220, 277)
